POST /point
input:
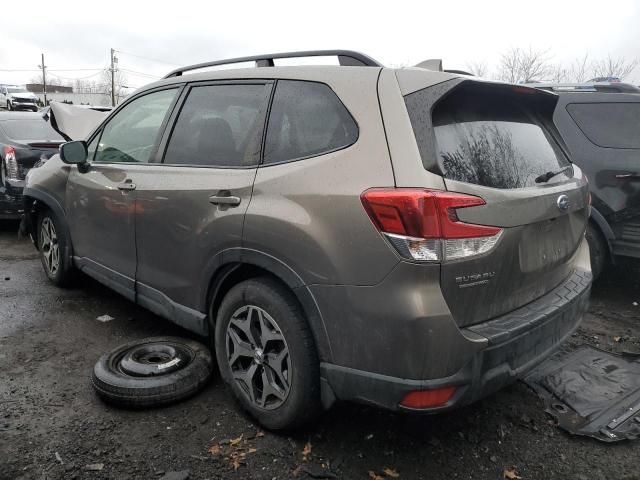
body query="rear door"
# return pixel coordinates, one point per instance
(493, 141)
(191, 205)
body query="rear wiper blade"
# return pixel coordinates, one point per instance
(545, 177)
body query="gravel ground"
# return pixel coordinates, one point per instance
(52, 426)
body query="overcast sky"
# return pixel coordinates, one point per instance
(78, 34)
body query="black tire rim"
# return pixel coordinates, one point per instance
(153, 359)
(258, 356)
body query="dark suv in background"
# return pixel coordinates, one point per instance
(600, 124)
(408, 238)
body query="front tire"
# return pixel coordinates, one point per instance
(9, 107)
(54, 249)
(266, 353)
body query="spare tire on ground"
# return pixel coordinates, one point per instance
(152, 372)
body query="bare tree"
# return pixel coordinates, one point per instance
(120, 82)
(559, 74)
(510, 66)
(524, 66)
(478, 68)
(614, 67)
(580, 69)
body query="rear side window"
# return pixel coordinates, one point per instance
(493, 139)
(220, 126)
(307, 119)
(32, 130)
(610, 125)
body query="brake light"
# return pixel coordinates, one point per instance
(423, 224)
(10, 163)
(428, 398)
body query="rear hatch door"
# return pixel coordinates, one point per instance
(494, 141)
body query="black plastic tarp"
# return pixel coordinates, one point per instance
(591, 392)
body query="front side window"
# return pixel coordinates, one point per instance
(307, 119)
(609, 125)
(219, 126)
(131, 135)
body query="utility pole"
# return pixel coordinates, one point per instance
(44, 79)
(114, 60)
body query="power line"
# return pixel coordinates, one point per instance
(51, 69)
(77, 78)
(139, 73)
(148, 58)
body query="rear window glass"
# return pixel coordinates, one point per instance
(485, 138)
(610, 125)
(307, 119)
(32, 130)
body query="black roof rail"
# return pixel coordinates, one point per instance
(346, 58)
(601, 87)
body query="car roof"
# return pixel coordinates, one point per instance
(352, 65)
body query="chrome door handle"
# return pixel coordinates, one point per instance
(127, 186)
(224, 200)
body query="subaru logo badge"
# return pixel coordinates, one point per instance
(563, 203)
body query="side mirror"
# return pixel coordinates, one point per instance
(74, 153)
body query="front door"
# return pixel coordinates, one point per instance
(191, 206)
(101, 202)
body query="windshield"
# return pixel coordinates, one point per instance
(17, 90)
(31, 130)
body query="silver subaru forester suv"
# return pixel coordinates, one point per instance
(408, 238)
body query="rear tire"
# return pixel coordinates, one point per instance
(54, 248)
(598, 250)
(266, 353)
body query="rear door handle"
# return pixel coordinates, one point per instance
(127, 186)
(224, 200)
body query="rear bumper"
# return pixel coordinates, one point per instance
(515, 343)
(11, 203)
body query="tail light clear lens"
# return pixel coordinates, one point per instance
(11, 163)
(423, 225)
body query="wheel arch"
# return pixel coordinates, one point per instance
(34, 202)
(603, 227)
(232, 266)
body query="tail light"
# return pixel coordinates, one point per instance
(11, 163)
(423, 225)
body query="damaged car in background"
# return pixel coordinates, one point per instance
(407, 238)
(28, 140)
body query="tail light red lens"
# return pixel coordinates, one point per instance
(10, 162)
(428, 398)
(423, 213)
(423, 224)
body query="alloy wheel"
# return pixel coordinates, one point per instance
(49, 246)
(258, 356)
